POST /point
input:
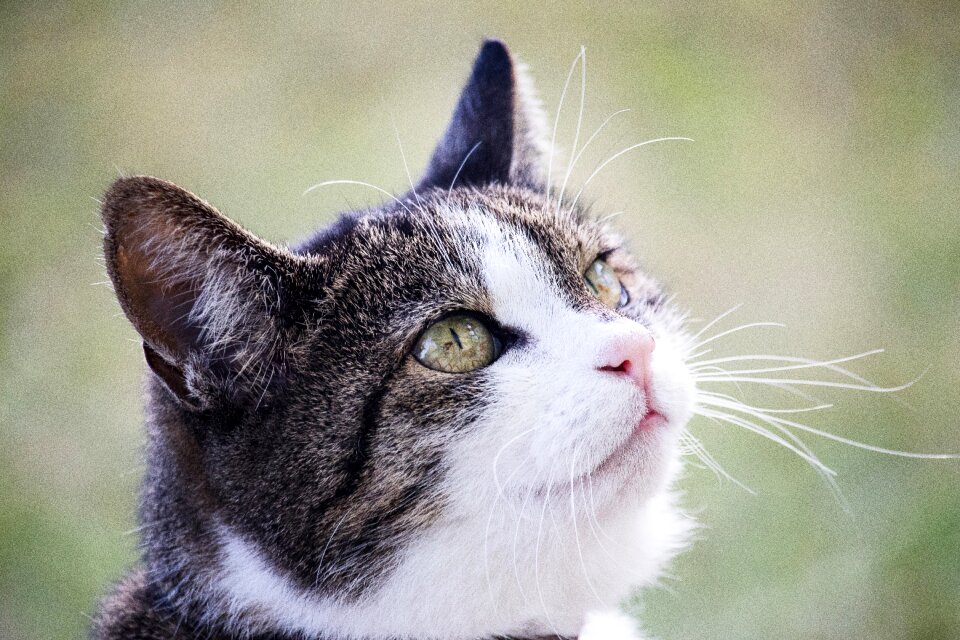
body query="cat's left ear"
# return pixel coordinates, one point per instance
(218, 308)
(498, 131)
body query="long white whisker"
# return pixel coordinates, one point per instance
(801, 363)
(809, 383)
(576, 531)
(536, 558)
(576, 135)
(516, 538)
(592, 517)
(358, 183)
(593, 506)
(610, 216)
(617, 155)
(323, 554)
(486, 533)
(406, 167)
(749, 325)
(462, 165)
(863, 445)
(699, 353)
(718, 370)
(496, 458)
(707, 326)
(556, 120)
(586, 144)
(707, 395)
(697, 448)
(749, 426)
(736, 405)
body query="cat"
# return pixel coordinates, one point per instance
(454, 416)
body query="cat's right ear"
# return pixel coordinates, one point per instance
(211, 301)
(498, 129)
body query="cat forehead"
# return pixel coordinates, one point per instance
(451, 232)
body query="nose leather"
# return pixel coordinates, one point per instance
(629, 354)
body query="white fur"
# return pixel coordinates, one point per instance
(535, 132)
(609, 625)
(534, 540)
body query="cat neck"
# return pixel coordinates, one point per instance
(139, 609)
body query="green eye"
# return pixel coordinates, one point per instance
(605, 285)
(456, 344)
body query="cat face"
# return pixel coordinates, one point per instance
(357, 424)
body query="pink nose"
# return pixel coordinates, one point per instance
(629, 355)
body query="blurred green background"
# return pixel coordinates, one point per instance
(823, 191)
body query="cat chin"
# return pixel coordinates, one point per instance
(499, 574)
(640, 469)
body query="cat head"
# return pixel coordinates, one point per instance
(351, 435)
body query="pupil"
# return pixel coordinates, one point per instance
(456, 338)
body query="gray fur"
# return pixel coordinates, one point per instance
(283, 402)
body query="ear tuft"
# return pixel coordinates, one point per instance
(531, 154)
(497, 131)
(205, 295)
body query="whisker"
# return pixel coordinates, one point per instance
(516, 539)
(858, 444)
(735, 405)
(749, 325)
(801, 363)
(496, 459)
(584, 148)
(556, 120)
(323, 554)
(576, 135)
(462, 165)
(807, 382)
(406, 167)
(697, 449)
(718, 370)
(592, 517)
(328, 183)
(576, 530)
(536, 558)
(486, 534)
(609, 217)
(699, 353)
(720, 317)
(749, 426)
(617, 155)
(709, 396)
(593, 511)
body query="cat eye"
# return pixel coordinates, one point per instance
(605, 285)
(457, 344)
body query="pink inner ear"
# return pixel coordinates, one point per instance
(199, 289)
(159, 292)
(171, 376)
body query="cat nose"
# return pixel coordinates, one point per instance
(629, 355)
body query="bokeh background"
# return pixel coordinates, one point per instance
(823, 191)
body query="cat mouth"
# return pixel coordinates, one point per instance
(626, 452)
(651, 422)
(623, 454)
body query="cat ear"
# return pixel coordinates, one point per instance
(208, 298)
(498, 130)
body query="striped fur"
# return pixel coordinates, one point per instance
(308, 478)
